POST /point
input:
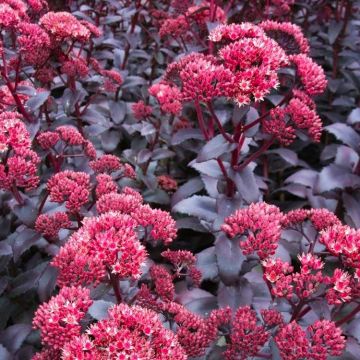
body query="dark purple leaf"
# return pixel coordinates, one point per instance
(195, 300)
(27, 280)
(286, 154)
(117, 111)
(354, 116)
(132, 81)
(334, 177)
(236, 295)
(156, 196)
(334, 30)
(229, 258)
(4, 354)
(246, 184)
(159, 154)
(210, 168)
(303, 177)
(202, 207)
(14, 336)
(186, 134)
(190, 223)
(352, 206)
(211, 185)
(321, 309)
(352, 349)
(110, 140)
(189, 188)
(207, 264)
(27, 212)
(25, 239)
(215, 148)
(47, 283)
(99, 309)
(345, 134)
(36, 101)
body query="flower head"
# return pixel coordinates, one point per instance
(288, 35)
(34, 43)
(129, 333)
(259, 225)
(104, 243)
(59, 319)
(167, 183)
(141, 111)
(292, 342)
(246, 338)
(50, 225)
(311, 75)
(64, 26)
(168, 96)
(70, 187)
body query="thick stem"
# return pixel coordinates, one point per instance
(201, 120)
(348, 317)
(297, 310)
(263, 356)
(12, 90)
(268, 284)
(17, 195)
(255, 155)
(151, 148)
(218, 123)
(116, 286)
(43, 201)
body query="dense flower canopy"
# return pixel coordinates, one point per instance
(179, 180)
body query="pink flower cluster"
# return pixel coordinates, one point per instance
(49, 225)
(195, 333)
(200, 13)
(129, 333)
(167, 183)
(158, 224)
(246, 338)
(59, 319)
(298, 114)
(311, 75)
(34, 43)
(19, 168)
(259, 226)
(70, 187)
(69, 136)
(141, 111)
(324, 339)
(110, 164)
(106, 244)
(288, 35)
(64, 26)
(168, 97)
(343, 241)
(174, 27)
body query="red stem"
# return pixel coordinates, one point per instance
(17, 195)
(43, 201)
(255, 155)
(115, 284)
(201, 119)
(348, 317)
(218, 123)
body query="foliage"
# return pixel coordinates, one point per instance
(179, 179)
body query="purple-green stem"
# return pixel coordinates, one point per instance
(114, 279)
(255, 155)
(17, 195)
(12, 90)
(43, 201)
(348, 317)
